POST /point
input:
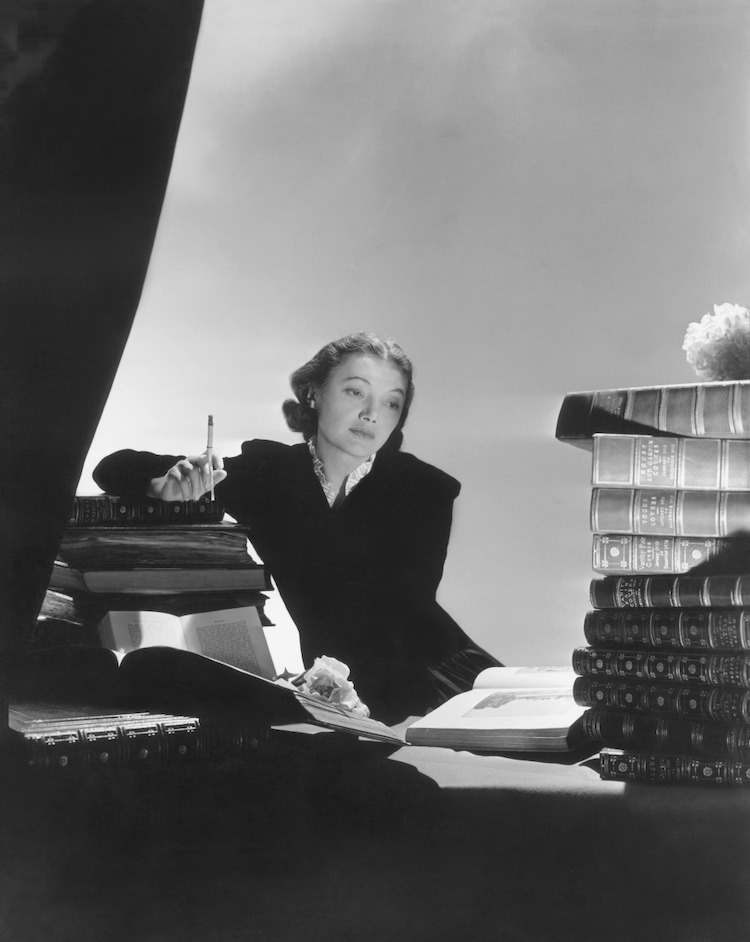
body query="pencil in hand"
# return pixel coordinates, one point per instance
(210, 452)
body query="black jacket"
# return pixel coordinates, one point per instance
(359, 581)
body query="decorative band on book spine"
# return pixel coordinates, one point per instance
(699, 406)
(735, 413)
(58, 748)
(182, 740)
(658, 769)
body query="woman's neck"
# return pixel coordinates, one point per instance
(337, 466)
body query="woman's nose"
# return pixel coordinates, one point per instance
(368, 412)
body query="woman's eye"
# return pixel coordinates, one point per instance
(393, 405)
(353, 392)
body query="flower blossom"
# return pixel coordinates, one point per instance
(718, 348)
(328, 679)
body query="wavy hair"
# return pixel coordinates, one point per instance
(313, 375)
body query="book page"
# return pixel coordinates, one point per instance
(233, 636)
(128, 631)
(282, 637)
(284, 646)
(483, 709)
(516, 678)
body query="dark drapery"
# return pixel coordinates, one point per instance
(91, 96)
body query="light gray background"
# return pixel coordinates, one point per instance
(532, 196)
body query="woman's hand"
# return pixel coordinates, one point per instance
(189, 479)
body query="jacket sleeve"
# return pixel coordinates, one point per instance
(428, 515)
(127, 473)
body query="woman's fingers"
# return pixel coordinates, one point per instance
(183, 481)
(189, 479)
(219, 476)
(194, 475)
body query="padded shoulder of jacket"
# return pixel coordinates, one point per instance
(406, 469)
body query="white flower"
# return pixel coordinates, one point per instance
(718, 348)
(328, 679)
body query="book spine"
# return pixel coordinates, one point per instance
(675, 463)
(56, 748)
(136, 581)
(665, 735)
(669, 513)
(727, 670)
(142, 742)
(721, 704)
(635, 553)
(170, 581)
(699, 410)
(113, 511)
(76, 745)
(157, 546)
(720, 591)
(155, 557)
(698, 628)
(671, 770)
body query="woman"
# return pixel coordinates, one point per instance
(353, 530)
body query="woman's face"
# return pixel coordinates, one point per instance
(359, 406)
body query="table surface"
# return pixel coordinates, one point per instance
(323, 839)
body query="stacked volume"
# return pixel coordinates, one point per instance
(130, 570)
(141, 574)
(666, 673)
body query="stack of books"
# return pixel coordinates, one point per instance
(138, 579)
(219, 716)
(122, 562)
(666, 671)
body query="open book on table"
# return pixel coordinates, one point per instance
(230, 661)
(223, 659)
(234, 636)
(509, 709)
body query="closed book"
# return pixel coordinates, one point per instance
(720, 669)
(716, 629)
(711, 591)
(76, 738)
(242, 577)
(200, 544)
(649, 553)
(103, 510)
(711, 464)
(697, 410)
(507, 710)
(663, 734)
(78, 742)
(722, 704)
(670, 513)
(621, 766)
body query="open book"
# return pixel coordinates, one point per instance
(184, 665)
(178, 680)
(224, 659)
(233, 636)
(509, 709)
